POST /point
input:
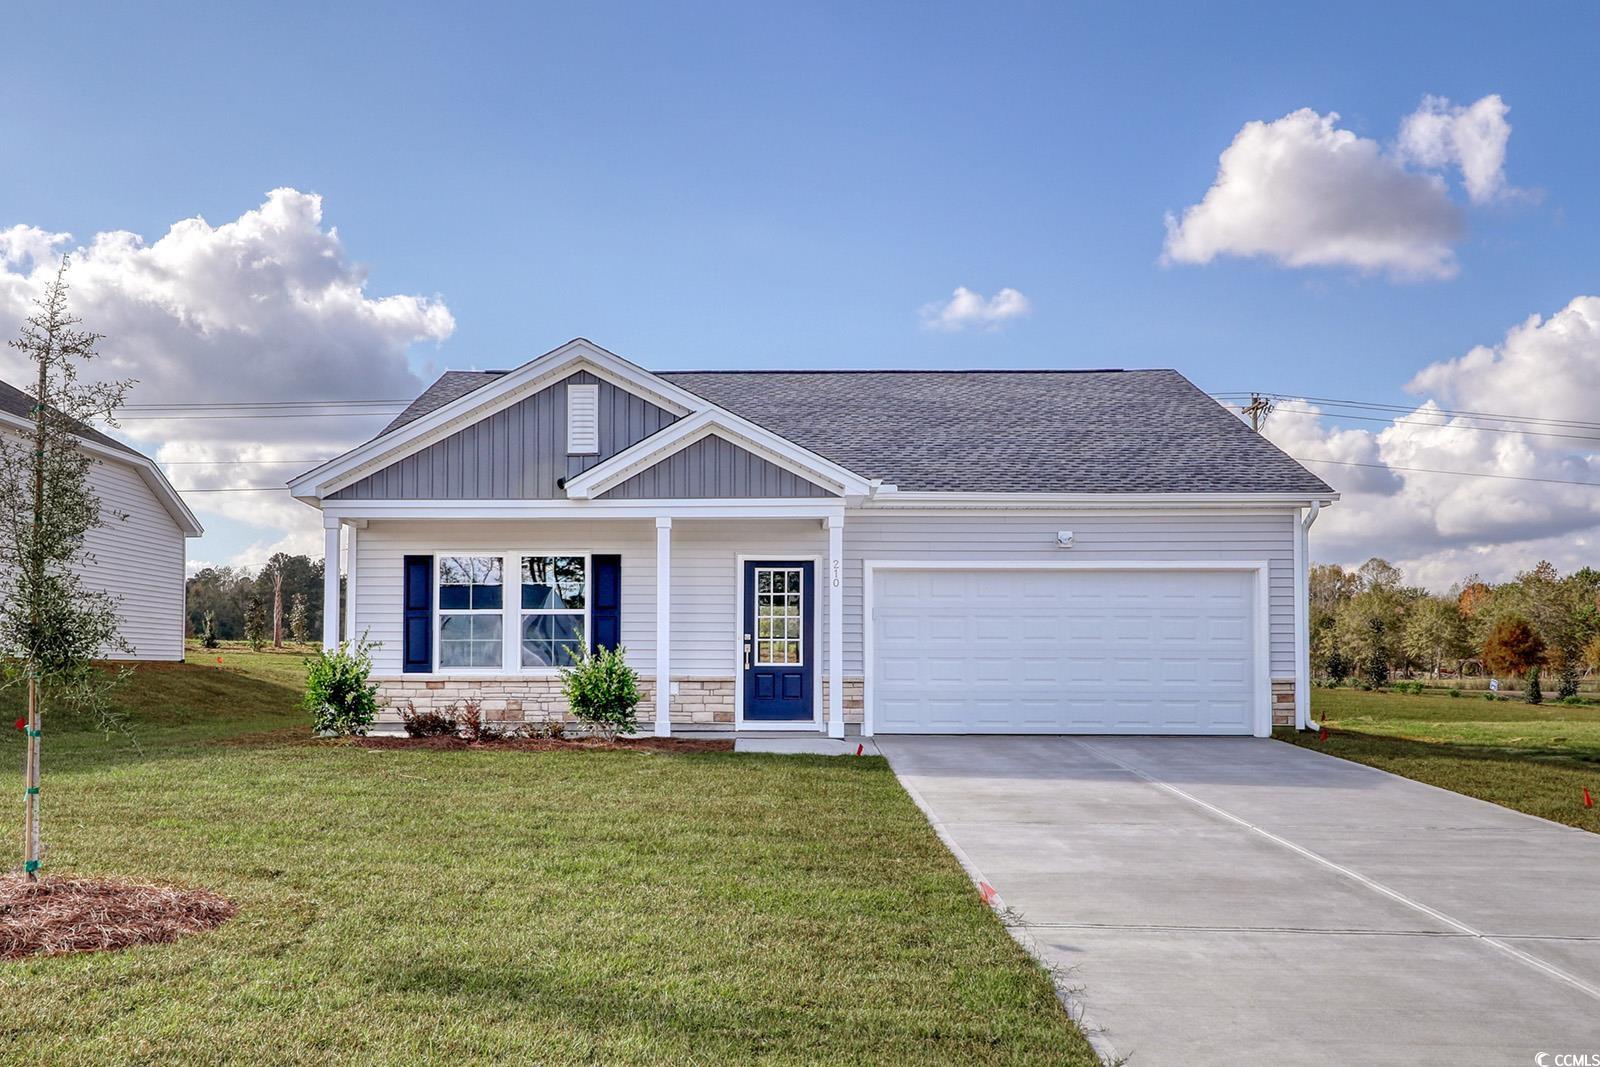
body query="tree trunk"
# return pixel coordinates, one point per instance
(31, 843)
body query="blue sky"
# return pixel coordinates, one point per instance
(750, 185)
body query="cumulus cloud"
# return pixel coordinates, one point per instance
(1473, 137)
(1303, 192)
(1441, 527)
(967, 310)
(268, 306)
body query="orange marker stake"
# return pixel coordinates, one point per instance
(1588, 801)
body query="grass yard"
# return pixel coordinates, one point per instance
(1535, 758)
(419, 906)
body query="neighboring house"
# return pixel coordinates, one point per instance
(140, 557)
(914, 551)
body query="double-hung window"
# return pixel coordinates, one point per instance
(471, 612)
(554, 610)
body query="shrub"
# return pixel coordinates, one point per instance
(1490, 697)
(1531, 692)
(428, 723)
(1567, 679)
(468, 714)
(603, 691)
(1573, 701)
(208, 631)
(1455, 692)
(339, 695)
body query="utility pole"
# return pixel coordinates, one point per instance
(1258, 409)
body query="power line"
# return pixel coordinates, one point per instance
(1412, 409)
(1436, 425)
(1459, 474)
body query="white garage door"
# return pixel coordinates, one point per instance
(1063, 651)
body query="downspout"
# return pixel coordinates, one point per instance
(1302, 686)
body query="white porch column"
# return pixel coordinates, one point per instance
(351, 541)
(330, 584)
(663, 626)
(835, 625)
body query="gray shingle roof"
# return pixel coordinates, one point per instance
(14, 401)
(1101, 431)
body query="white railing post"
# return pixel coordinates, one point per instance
(835, 586)
(663, 626)
(330, 584)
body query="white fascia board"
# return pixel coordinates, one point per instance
(508, 389)
(714, 421)
(146, 467)
(335, 511)
(901, 499)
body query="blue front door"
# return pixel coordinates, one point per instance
(777, 651)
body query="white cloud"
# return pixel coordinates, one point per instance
(966, 309)
(1303, 192)
(1474, 137)
(1308, 194)
(265, 307)
(1441, 527)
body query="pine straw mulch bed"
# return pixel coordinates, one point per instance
(550, 744)
(58, 915)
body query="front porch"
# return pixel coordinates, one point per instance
(694, 595)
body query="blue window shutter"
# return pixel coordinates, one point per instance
(418, 658)
(605, 607)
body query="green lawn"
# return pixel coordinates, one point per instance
(1535, 758)
(401, 907)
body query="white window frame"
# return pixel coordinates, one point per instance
(439, 611)
(588, 606)
(755, 635)
(510, 609)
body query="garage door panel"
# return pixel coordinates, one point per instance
(1059, 651)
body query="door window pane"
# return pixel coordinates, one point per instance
(778, 599)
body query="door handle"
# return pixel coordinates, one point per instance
(746, 651)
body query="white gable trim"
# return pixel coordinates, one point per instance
(146, 468)
(503, 392)
(714, 422)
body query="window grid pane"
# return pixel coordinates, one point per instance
(778, 615)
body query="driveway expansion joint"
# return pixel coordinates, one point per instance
(1500, 945)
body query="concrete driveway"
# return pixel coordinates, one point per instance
(1245, 901)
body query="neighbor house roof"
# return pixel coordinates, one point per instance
(19, 406)
(14, 401)
(1036, 431)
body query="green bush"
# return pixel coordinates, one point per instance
(339, 695)
(603, 691)
(1490, 697)
(1531, 692)
(1455, 692)
(1573, 701)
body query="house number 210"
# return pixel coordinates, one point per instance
(835, 565)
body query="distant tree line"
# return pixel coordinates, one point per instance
(1368, 625)
(282, 602)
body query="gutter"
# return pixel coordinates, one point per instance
(1307, 723)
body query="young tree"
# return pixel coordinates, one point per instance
(255, 622)
(52, 624)
(1513, 647)
(277, 607)
(299, 619)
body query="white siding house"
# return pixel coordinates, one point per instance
(1017, 552)
(139, 549)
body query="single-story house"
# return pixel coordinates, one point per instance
(1102, 551)
(140, 547)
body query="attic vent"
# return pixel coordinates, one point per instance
(583, 420)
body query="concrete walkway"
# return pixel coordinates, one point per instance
(1243, 901)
